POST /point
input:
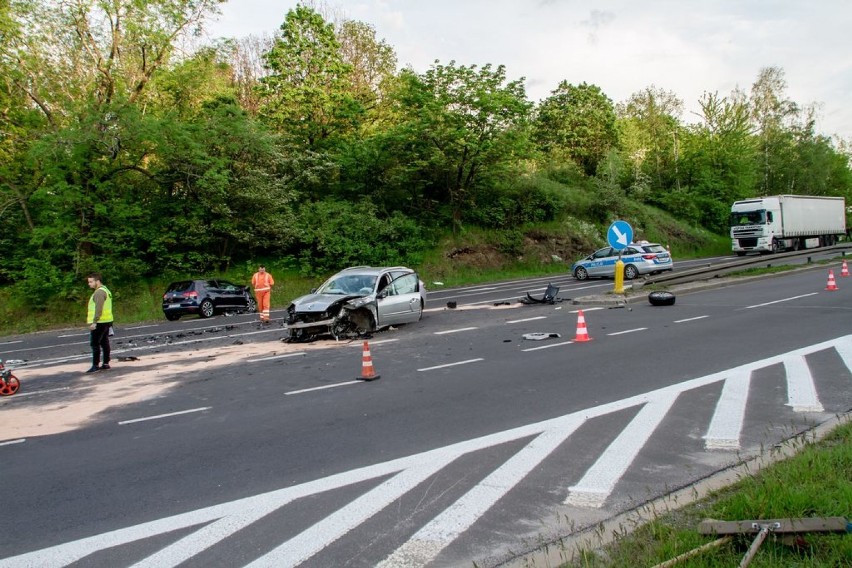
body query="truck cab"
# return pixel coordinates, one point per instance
(756, 226)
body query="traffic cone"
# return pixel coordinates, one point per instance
(844, 270)
(832, 285)
(367, 371)
(582, 332)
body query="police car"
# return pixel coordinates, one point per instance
(638, 258)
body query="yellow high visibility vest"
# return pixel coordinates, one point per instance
(106, 314)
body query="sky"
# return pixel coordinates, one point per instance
(688, 47)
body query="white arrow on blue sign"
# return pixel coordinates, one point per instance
(619, 235)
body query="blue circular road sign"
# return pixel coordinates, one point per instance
(619, 235)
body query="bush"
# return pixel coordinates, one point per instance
(338, 234)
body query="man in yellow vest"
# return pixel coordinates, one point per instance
(262, 282)
(99, 318)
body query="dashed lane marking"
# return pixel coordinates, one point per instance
(628, 331)
(335, 385)
(779, 301)
(455, 330)
(691, 319)
(548, 346)
(10, 442)
(527, 319)
(451, 364)
(273, 357)
(158, 416)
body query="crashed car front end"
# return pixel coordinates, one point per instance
(346, 316)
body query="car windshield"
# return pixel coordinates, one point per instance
(347, 284)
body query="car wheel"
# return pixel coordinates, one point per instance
(251, 306)
(661, 298)
(172, 317)
(581, 273)
(630, 272)
(206, 309)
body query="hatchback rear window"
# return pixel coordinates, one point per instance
(654, 248)
(180, 286)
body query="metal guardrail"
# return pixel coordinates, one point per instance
(719, 270)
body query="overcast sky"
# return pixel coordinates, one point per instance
(622, 46)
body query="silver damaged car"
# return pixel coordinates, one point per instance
(357, 301)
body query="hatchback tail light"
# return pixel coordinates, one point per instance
(192, 294)
(649, 256)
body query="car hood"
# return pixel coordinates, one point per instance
(319, 302)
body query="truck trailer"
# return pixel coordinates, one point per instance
(786, 222)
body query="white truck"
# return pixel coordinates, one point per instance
(786, 222)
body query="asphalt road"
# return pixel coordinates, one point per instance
(474, 445)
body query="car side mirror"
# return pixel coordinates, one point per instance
(313, 290)
(382, 294)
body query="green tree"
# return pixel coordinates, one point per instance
(654, 117)
(307, 94)
(462, 129)
(578, 121)
(719, 164)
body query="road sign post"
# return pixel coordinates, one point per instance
(619, 235)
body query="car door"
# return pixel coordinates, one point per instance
(603, 262)
(407, 288)
(230, 295)
(393, 302)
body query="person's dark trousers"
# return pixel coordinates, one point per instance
(100, 343)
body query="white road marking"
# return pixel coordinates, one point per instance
(599, 481)
(273, 357)
(451, 364)
(548, 346)
(11, 342)
(455, 330)
(71, 335)
(430, 540)
(141, 326)
(10, 442)
(212, 525)
(360, 344)
(322, 387)
(727, 422)
(158, 416)
(45, 391)
(527, 319)
(779, 301)
(801, 392)
(628, 331)
(690, 319)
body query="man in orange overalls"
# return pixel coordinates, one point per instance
(262, 282)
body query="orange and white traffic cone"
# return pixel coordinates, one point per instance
(367, 371)
(844, 270)
(582, 332)
(832, 285)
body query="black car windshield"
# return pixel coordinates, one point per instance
(347, 284)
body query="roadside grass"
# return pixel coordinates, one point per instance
(815, 482)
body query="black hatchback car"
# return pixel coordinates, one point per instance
(205, 298)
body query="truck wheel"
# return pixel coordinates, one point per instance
(776, 246)
(661, 298)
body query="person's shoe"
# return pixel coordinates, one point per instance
(105, 367)
(93, 370)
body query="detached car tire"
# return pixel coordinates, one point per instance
(661, 298)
